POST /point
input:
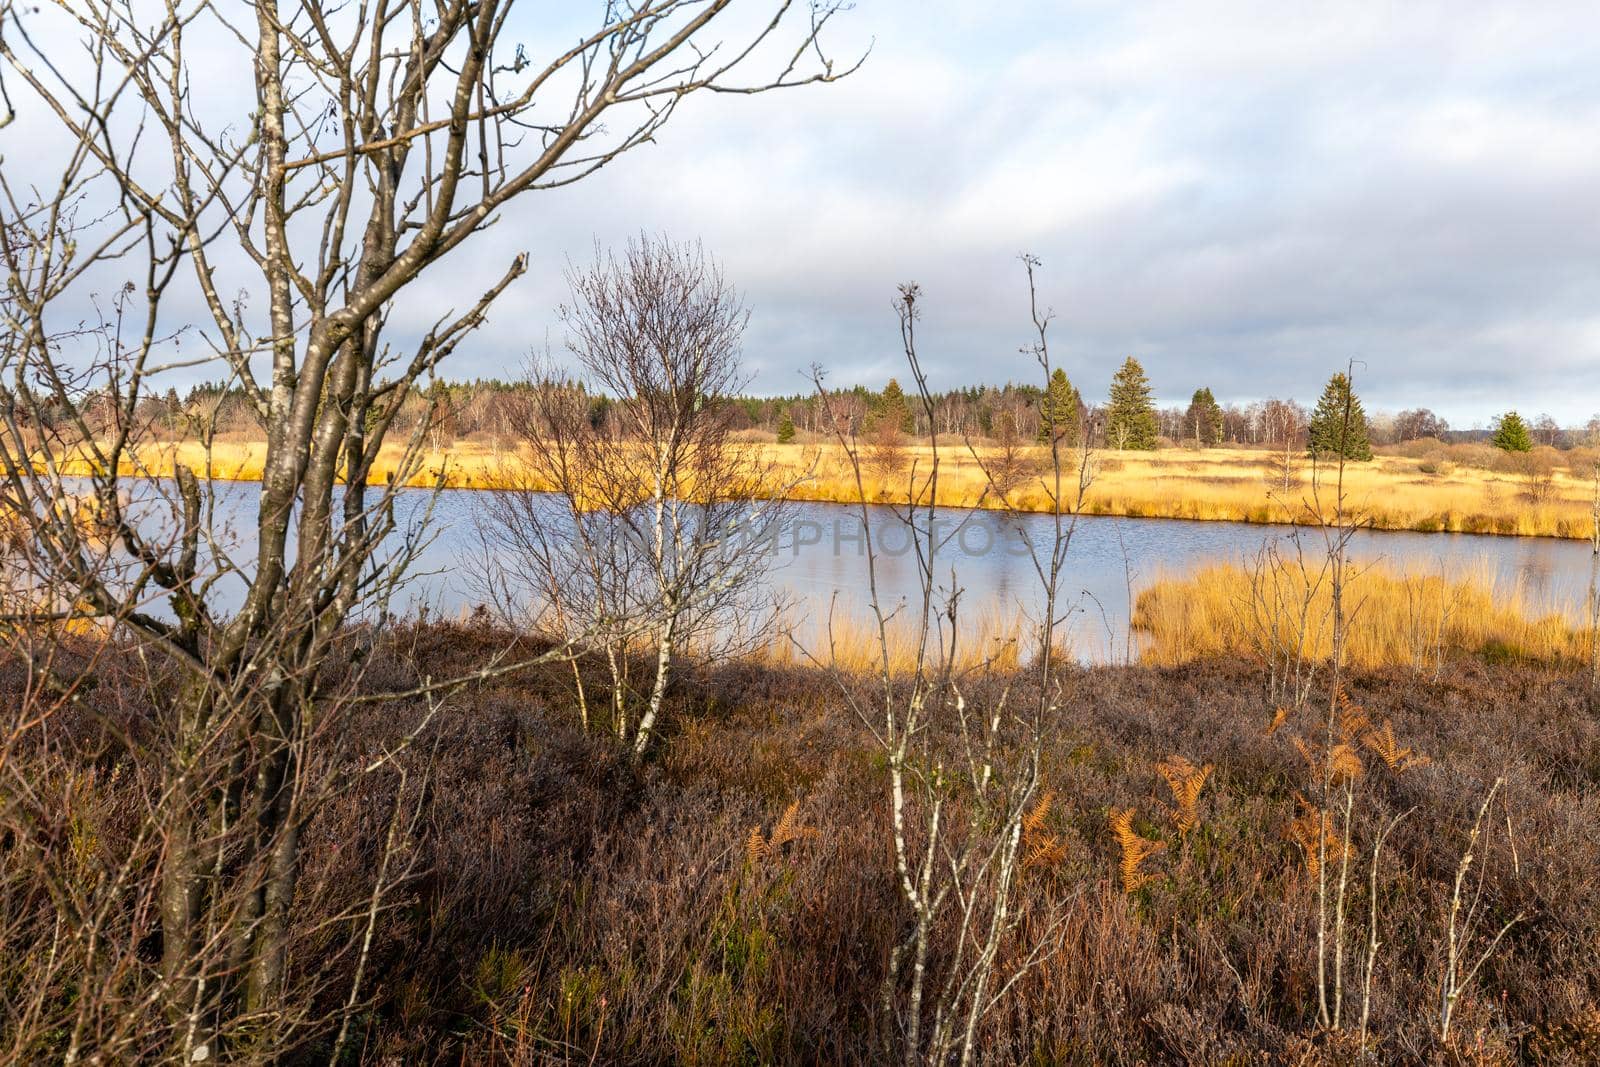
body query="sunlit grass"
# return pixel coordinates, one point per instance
(1238, 485)
(1396, 618)
(851, 642)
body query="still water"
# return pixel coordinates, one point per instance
(818, 560)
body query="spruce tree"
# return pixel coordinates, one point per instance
(1131, 415)
(1328, 433)
(1058, 410)
(1204, 419)
(785, 428)
(1511, 434)
(894, 409)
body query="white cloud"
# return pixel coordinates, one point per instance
(1245, 194)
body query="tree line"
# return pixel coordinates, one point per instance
(1128, 419)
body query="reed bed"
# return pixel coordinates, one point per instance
(850, 643)
(1398, 618)
(1395, 492)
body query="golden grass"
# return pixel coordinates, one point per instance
(1238, 485)
(851, 643)
(1398, 619)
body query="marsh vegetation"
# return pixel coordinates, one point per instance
(252, 811)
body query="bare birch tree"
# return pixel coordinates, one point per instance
(963, 749)
(662, 524)
(372, 143)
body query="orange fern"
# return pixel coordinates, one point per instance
(755, 846)
(1313, 831)
(1136, 848)
(1344, 764)
(1352, 719)
(1341, 762)
(1381, 741)
(1040, 848)
(1279, 717)
(1185, 780)
(758, 847)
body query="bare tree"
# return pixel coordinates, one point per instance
(666, 524)
(1284, 424)
(378, 142)
(963, 751)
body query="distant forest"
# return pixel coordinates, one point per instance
(488, 407)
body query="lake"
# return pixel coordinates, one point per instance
(820, 559)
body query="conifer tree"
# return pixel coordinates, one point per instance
(1329, 434)
(1058, 410)
(1131, 415)
(1511, 434)
(1204, 419)
(785, 428)
(894, 409)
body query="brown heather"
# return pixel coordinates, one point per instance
(568, 906)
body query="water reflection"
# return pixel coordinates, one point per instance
(820, 558)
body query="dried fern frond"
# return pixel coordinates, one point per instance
(1311, 827)
(1279, 717)
(1185, 780)
(1344, 764)
(1352, 719)
(1381, 741)
(1136, 848)
(1341, 762)
(755, 846)
(1051, 852)
(1033, 823)
(789, 828)
(758, 848)
(1040, 848)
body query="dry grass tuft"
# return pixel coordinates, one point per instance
(850, 643)
(1480, 494)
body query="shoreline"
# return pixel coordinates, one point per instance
(1217, 485)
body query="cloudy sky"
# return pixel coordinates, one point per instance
(1243, 195)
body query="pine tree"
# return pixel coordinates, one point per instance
(1131, 416)
(1511, 434)
(893, 407)
(1058, 410)
(785, 428)
(1204, 419)
(1328, 433)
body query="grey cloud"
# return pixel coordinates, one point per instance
(1245, 195)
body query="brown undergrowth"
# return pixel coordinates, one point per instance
(732, 899)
